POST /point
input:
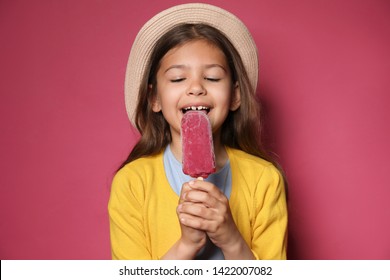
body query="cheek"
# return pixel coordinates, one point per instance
(169, 102)
(169, 94)
(225, 97)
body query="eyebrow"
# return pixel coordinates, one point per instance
(175, 66)
(183, 66)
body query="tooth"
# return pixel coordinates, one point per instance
(193, 108)
(200, 107)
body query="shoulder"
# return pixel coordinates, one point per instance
(247, 158)
(134, 175)
(258, 178)
(140, 167)
(251, 165)
(255, 174)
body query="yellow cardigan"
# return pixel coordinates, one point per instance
(142, 208)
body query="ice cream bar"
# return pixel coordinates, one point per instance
(197, 145)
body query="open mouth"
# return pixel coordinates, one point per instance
(196, 108)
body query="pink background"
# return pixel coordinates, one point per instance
(324, 81)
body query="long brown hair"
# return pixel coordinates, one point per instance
(241, 129)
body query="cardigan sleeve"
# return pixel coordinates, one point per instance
(269, 239)
(125, 209)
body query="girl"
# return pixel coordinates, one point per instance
(201, 57)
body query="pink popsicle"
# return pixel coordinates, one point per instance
(197, 145)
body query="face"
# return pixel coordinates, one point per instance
(195, 75)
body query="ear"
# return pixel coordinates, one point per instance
(156, 104)
(236, 98)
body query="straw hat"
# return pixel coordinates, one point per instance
(233, 28)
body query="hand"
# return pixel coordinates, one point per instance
(192, 238)
(206, 208)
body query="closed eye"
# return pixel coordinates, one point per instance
(212, 79)
(177, 80)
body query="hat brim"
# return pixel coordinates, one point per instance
(231, 26)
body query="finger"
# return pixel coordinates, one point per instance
(187, 220)
(220, 214)
(198, 223)
(186, 205)
(194, 222)
(196, 209)
(206, 187)
(216, 216)
(184, 189)
(197, 196)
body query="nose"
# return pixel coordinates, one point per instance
(196, 88)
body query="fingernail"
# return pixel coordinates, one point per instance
(191, 183)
